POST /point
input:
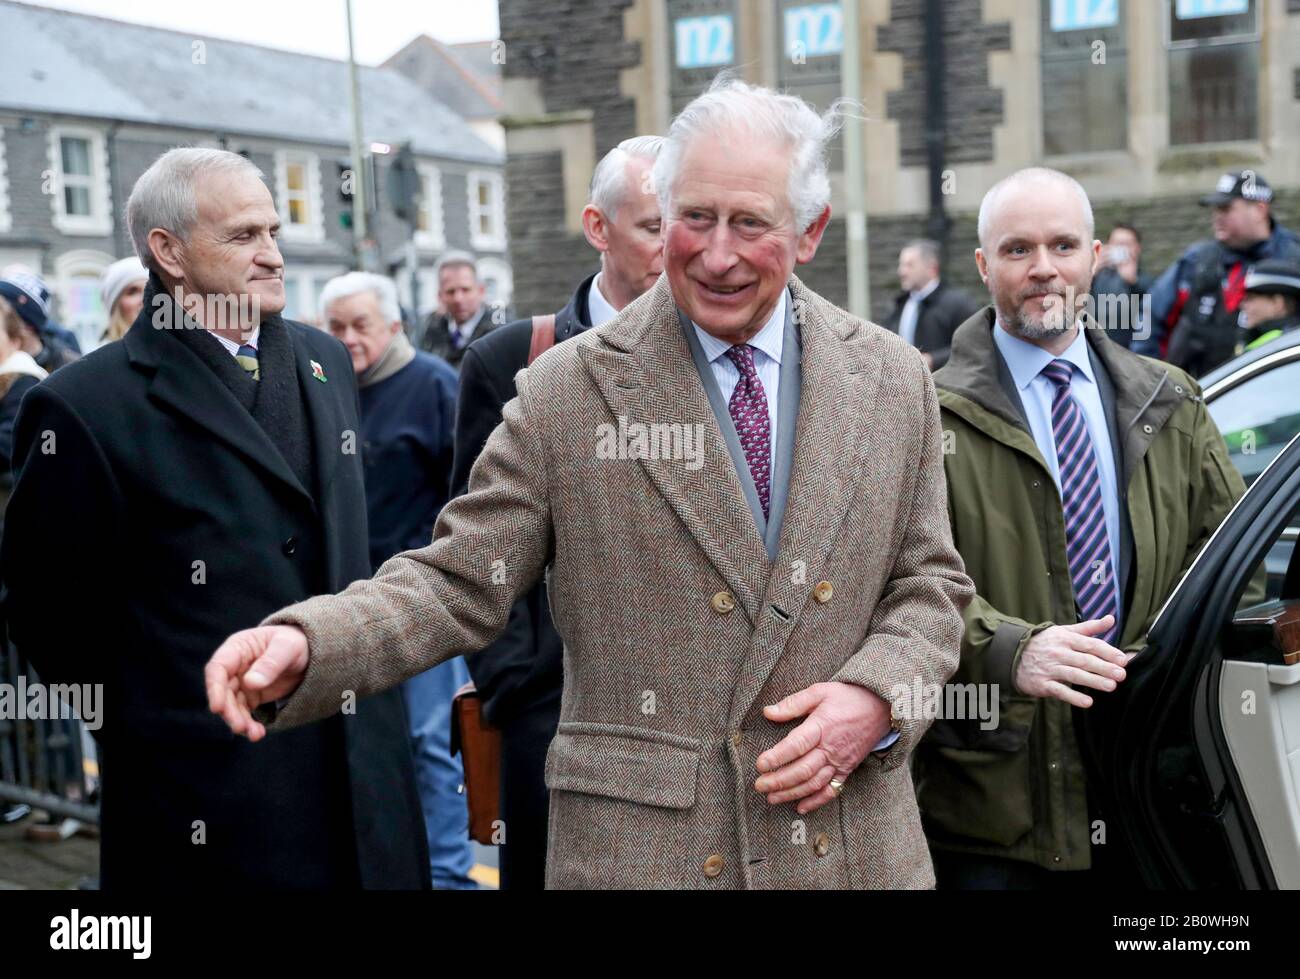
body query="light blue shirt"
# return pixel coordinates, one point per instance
(1026, 362)
(767, 363)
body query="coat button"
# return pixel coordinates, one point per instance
(723, 602)
(1148, 429)
(289, 546)
(736, 739)
(823, 592)
(822, 844)
(713, 866)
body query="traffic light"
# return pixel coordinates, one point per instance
(346, 185)
(404, 184)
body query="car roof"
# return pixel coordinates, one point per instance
(1289, 339)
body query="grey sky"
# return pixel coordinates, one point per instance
(311, 26)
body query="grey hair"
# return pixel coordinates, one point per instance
(1031, 175)
(355, 283)
(730, 105)
(452, 260)
(609, 182)
(929, 249)
(166, 195)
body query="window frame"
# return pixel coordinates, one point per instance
(1172, 45)
(1116, 38)
(479, 240)
(6, 213)
(1254, 37)
(99, 222)
(312, 230)
(433, 238)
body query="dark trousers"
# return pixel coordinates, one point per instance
(1112, 869)
(524, 799)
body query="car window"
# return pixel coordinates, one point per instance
(1259, 417)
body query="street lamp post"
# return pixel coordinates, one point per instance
(855, 171)
(360, 216)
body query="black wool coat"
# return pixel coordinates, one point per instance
(152, 516)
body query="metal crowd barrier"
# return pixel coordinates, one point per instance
(46, 763)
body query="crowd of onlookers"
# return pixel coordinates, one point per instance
(1235, 290)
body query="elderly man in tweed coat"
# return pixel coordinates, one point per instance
(737, 492)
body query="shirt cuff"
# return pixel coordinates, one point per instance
(885, 743)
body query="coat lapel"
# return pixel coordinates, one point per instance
(324, 414)
(187, 386)
(645, 374)
(840, 373)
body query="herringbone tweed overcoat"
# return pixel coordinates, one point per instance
(678, 629)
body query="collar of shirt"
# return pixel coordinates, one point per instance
(466, 330)
(768, 340)
(1026, 360)
(926, 289)
(232, 347)
(598, 307)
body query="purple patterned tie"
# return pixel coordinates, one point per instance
(1087, 544)
(748, 408)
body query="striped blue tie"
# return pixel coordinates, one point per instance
(1087, 544)
(247, 357)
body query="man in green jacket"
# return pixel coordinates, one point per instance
(1082, 482)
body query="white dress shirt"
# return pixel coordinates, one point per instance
(462, 333)
(233, 347)
(599, 311)
(912, 312)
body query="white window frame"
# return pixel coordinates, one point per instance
(314, 229)
(6, 216)
(492, 267)
(479, 241)
(99, 222)
(434, 238)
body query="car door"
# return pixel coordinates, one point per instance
(1195, 758)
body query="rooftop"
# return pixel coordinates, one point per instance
(57, 62)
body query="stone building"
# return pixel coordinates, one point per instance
(1146, 102)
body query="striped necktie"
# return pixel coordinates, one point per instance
(247, 357)
(1087, 543)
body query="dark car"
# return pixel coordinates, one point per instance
(1197, 753)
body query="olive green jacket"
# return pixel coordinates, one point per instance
(1016, 789)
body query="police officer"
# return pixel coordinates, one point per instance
(1196, 303)
(1271, 306)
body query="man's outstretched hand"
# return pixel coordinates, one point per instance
(251, 668)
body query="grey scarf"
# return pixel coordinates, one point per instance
(398, 355)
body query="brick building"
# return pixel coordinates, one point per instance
(86, 104)
(1146, 102)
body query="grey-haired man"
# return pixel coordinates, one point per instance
(187, 481)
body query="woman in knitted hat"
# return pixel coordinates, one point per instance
(18, 373)
(122, 289)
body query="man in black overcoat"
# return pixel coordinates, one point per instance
(521, 673)
(179, 486)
